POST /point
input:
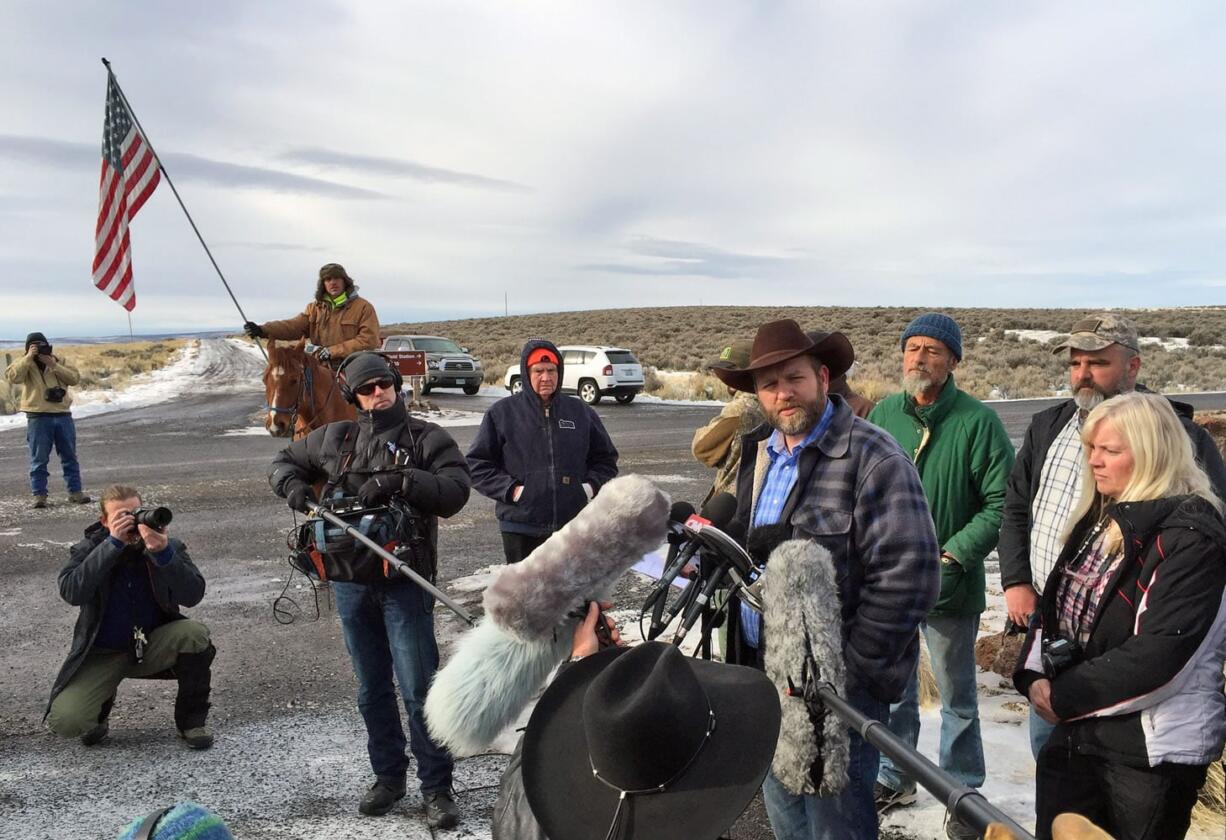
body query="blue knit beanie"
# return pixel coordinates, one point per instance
(185, 820)
(935, 325)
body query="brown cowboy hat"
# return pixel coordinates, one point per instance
(778, 341)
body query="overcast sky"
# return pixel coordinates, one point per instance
(587, 155)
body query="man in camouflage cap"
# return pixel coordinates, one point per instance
(718, 444)
(1045, 485)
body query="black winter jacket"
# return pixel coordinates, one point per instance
(1149, 689)
(1014, 545)
(85, 582)
(551, 450)
(436, 483)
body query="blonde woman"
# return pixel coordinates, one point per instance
(1125, 655)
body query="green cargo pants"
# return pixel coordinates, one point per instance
(75, 710)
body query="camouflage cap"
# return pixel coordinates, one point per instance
(734, 355)
(1095, 332)
(334, 270)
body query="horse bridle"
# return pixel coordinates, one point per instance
(307, 386)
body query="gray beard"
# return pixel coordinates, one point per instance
(915, 384)
(1088, 399)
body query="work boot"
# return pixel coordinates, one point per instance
(886, 798)
(103, 727)
(441, 810)
(40, 502)
(192, 701)
(383, 794)
(956, 829)
(78, 497)
(198, 737)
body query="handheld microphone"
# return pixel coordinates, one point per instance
(804, 621)
(499, 665)
(716, 513)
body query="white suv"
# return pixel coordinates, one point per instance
(592, 372)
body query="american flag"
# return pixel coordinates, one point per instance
(130, 173)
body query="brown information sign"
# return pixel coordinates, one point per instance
(408, 362)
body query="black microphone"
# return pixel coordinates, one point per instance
(804, 621)
(716, 513)
(709, 583)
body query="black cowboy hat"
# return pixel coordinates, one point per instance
(778, 341)
(688, 741)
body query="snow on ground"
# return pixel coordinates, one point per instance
(211, 365)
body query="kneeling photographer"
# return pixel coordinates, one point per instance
(395, 474)
(129, 577)
(44, 379)
(1125, 653)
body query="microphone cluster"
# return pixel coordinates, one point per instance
(701, 550)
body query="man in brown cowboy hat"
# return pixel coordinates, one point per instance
(816, 471)
(337, 321)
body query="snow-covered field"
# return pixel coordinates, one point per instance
(1045, 336)
(212, 365)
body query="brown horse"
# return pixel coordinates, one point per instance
(300, 392)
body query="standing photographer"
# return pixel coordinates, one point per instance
(1125, 654)
(405, 473)
(44, 381)
(129, 579)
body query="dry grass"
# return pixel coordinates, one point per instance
(995, 364)
(105, 366)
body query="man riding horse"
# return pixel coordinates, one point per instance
(337, 321)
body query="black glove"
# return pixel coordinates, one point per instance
(323, 354)
(299, 495)
(378, 490)
(254, 330)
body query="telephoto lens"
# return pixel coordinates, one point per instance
(158, 517)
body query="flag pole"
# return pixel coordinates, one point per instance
(190, 221)
(131, 337)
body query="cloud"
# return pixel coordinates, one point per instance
(58, 154)
(670, 257)
(270, 246)
(375, 165)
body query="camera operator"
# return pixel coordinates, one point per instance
(44, 381)
(1125, 653)
(130, 578)
(389, 460)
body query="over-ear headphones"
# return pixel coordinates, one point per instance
(343, 382)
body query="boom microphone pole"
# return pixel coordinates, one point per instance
(804, 659)
(392, 560)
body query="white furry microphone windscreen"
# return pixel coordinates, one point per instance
(801, 599)
(501, 663)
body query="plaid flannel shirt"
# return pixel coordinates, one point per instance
(1059, 492)
(858, 495)
(1081, 589)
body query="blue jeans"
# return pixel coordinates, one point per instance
(1040, 731)
(44, 431)
(389, 628)
(951, 647)
(849, 816)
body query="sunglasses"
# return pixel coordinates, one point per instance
(370, 387)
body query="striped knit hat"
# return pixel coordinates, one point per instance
(185, 821)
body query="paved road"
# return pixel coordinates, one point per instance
(288, 762)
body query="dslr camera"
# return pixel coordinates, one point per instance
(44, 349)
(1059, 654)
(55, 394)
(156, 518)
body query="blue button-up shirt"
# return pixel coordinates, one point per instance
(780, 479)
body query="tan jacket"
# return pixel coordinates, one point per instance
(718, 444)
(352, 327)
(34, 384)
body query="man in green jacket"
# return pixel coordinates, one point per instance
(963, 456)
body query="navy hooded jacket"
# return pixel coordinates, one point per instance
(551, 450)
